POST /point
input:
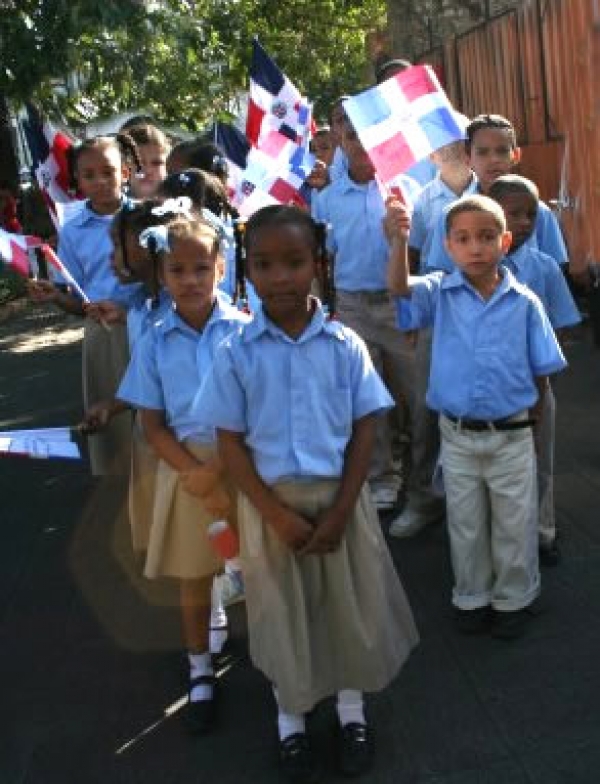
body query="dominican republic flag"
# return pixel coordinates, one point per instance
(13, 250)
(53, 260)
(275, 104)
(235, 147)
(274, 174)
(48, 147)
(403, 120)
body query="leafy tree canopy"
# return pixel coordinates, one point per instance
(185, 61)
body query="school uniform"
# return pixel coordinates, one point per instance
(354, 214)
(486, 356)
(547, 237)
(317, 623)
(167, 367)
(544, 277)
(85, 247)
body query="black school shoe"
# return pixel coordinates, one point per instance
(200, 715)
(354, 749)
(510, 625)
(477, 621)
(297, 760)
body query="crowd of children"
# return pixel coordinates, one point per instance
(216, 379)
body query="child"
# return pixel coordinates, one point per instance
(493, 349)
(519, 198)
(353, 210)
(454, 179)
(294, 398)
(493, 152)
(168, 365)
(153, 149)
(100, 167)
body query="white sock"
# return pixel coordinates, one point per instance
(288, 723)
(350, 707)
(200, 664)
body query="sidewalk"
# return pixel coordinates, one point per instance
(91, 676)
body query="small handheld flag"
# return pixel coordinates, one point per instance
(58, 265)
(13, 251)
(403, 120)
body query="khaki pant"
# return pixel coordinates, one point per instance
(545, 467)
(492, 511)
(373, 316)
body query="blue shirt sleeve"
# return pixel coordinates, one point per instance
(545, 355)
(418, 310)
(562, 309)
(320, 212)
(221, 401)
(549, 236)
(369, 394)
(418, 227)
(438, 257)
(141, 385)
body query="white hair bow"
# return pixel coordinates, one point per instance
(158, 235)
(182, 205)
(216, 222)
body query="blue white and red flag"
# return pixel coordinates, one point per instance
(48, 147)
(275, 104)
(13, 251)
(403, 120)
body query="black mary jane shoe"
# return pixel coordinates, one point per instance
(297, 760)
(355, 749)
(200, 715)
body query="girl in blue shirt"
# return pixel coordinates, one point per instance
(100, 167)
(170, 360)
(294, 397)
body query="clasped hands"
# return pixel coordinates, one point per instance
(204, 482)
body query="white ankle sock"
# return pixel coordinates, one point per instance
(350, 707)
(200, 664)
(288, 723)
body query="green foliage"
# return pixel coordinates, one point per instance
(186, 61)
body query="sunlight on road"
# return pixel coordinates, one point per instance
(46, 338)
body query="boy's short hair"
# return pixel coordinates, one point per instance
(389, 68)
(495, 121)
(510, 184)
(476, 203)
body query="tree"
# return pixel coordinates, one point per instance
(184, 60)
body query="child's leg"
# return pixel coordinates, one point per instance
(511, 477)
(467, 505)
(195, 602)
(545, 465)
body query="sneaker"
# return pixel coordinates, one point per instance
(384, 497)
(297, 760)
(477, 621)
(408, 523)
(231, 587)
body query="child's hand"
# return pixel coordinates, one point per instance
(41, 291)
(97, 418)
(292, 529)
(202, 479)
(105, 312)
(396, 223)
(217, 503)
(327, 534)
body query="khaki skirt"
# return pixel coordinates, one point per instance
(104, 361)
(178, 543)
(321, 623)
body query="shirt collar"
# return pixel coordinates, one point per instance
(86, 214)
(456, 279)
(346, 183)
(318, 323)
(222, 311)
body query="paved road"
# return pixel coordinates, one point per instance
(90, 671)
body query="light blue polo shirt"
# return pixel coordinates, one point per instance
(429, 206)
(85, 248)
(486, 354)
(168, 364)
(295, 400)
(547, 237)
(545, 278)
(353, 213)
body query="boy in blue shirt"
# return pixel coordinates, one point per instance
(519, 198)
(493, 152)
(493, 350)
